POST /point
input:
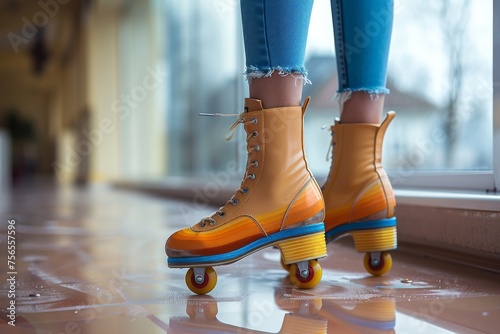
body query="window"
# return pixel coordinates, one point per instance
(204, 49)
(440, 76)
(442, 93)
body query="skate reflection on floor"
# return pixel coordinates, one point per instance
(202, 318)
(305, 313)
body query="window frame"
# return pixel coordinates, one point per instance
(467, 182)
(496, 92)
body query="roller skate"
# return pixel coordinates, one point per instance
(203, 319)
(278, 204)
(375, 315)
(358, 196)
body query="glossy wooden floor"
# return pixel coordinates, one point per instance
(92, 261)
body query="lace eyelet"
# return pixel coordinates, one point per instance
(212, 222)
(254, 120)
(255, 134)
(221, 214)
(235, 201)
(251, 176)
(244, 190)
(256, 148)
(203, 224)
(255, 163)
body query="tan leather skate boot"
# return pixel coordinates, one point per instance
(278, 204)
(358, 196)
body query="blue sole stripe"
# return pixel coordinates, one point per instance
(367, 323)
(251, 247)
(350, 227)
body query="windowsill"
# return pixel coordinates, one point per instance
(430, 222)
(216, 193)
(452, 199)
(460, 227)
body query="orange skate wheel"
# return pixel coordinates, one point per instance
(204, 287)
(205, 309)
(383, 267)
(312, 279)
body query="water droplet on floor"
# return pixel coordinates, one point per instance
(34, 295)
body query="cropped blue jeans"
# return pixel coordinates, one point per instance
(275, 35)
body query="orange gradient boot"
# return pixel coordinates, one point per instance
(371, 316)
(359, 199)
(278, 204)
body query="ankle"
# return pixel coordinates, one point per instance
(362, 108)
(277, 90)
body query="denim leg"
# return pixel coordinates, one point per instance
(275, 36)
(362, 38)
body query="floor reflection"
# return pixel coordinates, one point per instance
(201, 316)
(303, 314)
(92, 261)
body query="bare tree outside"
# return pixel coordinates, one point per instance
(453, 18)
(441, 58)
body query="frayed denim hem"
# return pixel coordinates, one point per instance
(253, 72)
(374, 92)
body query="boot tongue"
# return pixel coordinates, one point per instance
(253, 105)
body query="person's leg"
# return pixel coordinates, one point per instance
(275, 35)
(363, 108)
(358, 196)
(277, 90)
(279, 202)
(362, 37)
